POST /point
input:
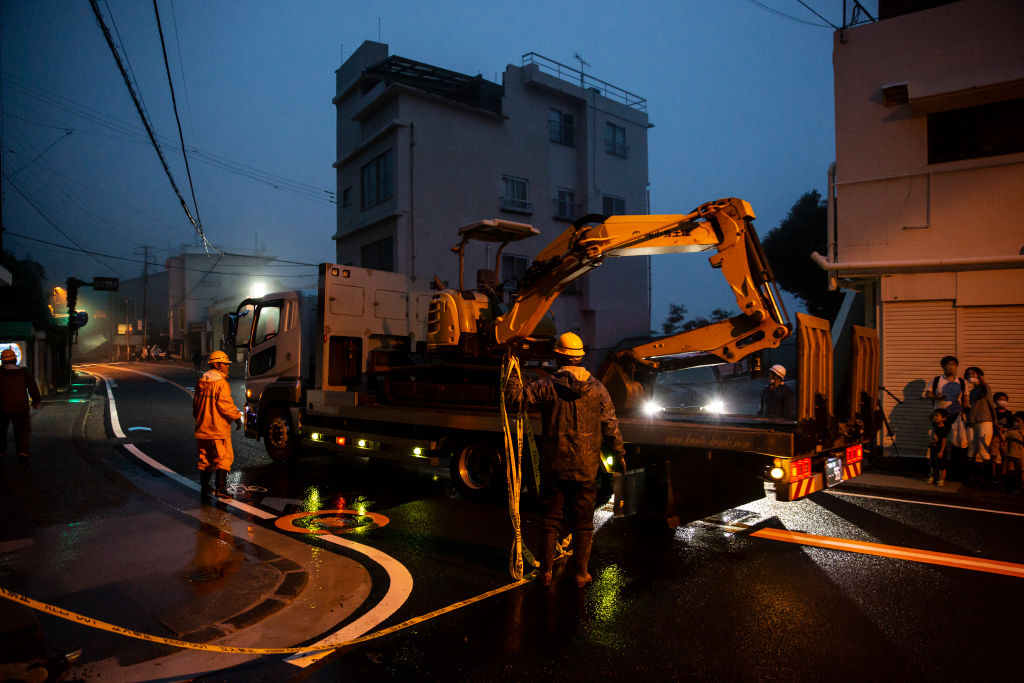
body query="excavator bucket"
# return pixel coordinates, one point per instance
(814, 376)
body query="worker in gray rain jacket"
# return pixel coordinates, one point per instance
(578, 419)
(214, 411)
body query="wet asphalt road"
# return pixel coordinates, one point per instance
(705, 601)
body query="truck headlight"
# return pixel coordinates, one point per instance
(651, 408)
(716, 406)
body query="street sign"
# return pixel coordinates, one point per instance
(105, 284)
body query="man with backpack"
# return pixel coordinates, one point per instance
(949, 392)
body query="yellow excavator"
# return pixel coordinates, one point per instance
(475, 324)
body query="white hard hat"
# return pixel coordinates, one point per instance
(778, 370)
(570, 344)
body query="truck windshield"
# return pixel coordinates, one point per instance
(268, 320)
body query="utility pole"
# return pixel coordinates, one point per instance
(145, 297)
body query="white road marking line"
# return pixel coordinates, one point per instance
(400, 580)
(388, 605)
(157, 378)
(922, 502)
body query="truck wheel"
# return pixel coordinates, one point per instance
(280, 441)
(475, 470)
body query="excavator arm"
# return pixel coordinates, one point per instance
(723, 225)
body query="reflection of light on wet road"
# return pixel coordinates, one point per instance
(605, 592)
(311, 501)
(400, 580)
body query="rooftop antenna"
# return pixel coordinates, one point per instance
(583, 63)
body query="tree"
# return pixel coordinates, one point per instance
(788, 248)
(676, 320)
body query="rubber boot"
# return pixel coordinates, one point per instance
(548, 537)
(221, 484)
(581, 543)
(204, 483)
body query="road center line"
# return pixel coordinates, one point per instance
(894, 551)
(922, 502)
(400, 580)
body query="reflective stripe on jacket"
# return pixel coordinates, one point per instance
(213, 407)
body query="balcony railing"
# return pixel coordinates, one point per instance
(585, 81)
(517, 205)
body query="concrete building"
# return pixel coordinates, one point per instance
(928, 193)
(202, 286)
(423, 151)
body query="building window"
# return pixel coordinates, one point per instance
(346, 196)
(615, 139)
(515, 194)
(513, 268)
(565, 204)
(378, 255)
(613, 206)
(974, 132)
(377, 180)
(181, 319)
(560, 127)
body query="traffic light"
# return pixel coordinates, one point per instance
(73, 294)
(77, 320)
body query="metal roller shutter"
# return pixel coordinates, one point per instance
(992, 338)
(915, 335)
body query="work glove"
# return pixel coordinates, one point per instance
(238, 424)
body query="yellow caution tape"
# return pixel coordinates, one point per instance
(104, 626)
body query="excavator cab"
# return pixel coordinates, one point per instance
(455, 315)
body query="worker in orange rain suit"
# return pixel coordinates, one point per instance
(214, 411)
(578, 418)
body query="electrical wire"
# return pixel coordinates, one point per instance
(174, 105)
(145, 122)
(89, 252)
(808, 7)
(127, 131)
(53, 224)
(784, 15)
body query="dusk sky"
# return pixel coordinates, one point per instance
(740, 97)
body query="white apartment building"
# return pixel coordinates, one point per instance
(423, 151)
(928, 193)
(203, 285)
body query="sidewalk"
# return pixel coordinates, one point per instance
(907, 476)
(84, 528)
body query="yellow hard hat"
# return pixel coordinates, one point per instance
(219, 357)
(8, 356)
(570, 344)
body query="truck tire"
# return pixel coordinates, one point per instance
(279, 439)
(476, 470)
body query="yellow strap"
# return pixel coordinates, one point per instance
(104, 626)
(520, 555)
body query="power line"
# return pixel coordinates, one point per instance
(82, 250)
(174, 104)
(784, 15)
(278, 182)
(145, 120)
(805, 5)
(52, 223)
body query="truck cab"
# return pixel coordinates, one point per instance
(277, 330)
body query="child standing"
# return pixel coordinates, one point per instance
(938, 437)
(1014, 458)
